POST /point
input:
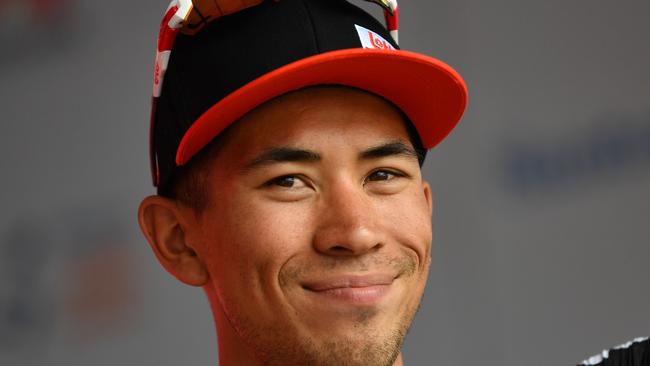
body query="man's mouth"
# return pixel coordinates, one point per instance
(357, 290)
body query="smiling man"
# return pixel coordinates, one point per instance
(287, 142)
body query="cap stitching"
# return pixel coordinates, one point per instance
(311, 23)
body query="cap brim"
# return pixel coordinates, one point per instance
(428, 91)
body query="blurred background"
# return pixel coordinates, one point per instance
(542, 194)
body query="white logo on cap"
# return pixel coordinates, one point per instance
(370, 39)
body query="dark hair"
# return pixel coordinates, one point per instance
(414, 137)
(188, 183)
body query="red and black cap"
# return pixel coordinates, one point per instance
(239, 61)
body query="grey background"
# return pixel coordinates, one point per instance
(542, 193)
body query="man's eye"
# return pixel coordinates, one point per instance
(382, 175)
(287, 181)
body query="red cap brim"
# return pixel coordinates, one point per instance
(428, 91)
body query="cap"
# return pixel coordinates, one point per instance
(239, 61)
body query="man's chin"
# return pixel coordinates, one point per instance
(354, 325)
(353, 351)
(370, 339)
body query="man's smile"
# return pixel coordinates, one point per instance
(352, 289)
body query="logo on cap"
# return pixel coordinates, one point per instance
(370, 39)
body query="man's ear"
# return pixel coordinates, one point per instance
(428, 195)
(166, 226)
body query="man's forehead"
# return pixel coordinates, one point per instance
(306, 113)
(318, 119)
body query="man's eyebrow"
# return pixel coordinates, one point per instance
(391, 148)
(280, 155)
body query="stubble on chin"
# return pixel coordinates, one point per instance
(371, 351)
(368, 345)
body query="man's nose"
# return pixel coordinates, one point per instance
(348, 225)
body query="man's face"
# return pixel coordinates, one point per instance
(317, 236)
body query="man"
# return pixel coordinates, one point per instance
(287, 140)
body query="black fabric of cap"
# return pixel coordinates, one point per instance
(236, 49)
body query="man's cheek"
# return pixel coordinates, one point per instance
(408, 219)
(283, 226)
(260, 240)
